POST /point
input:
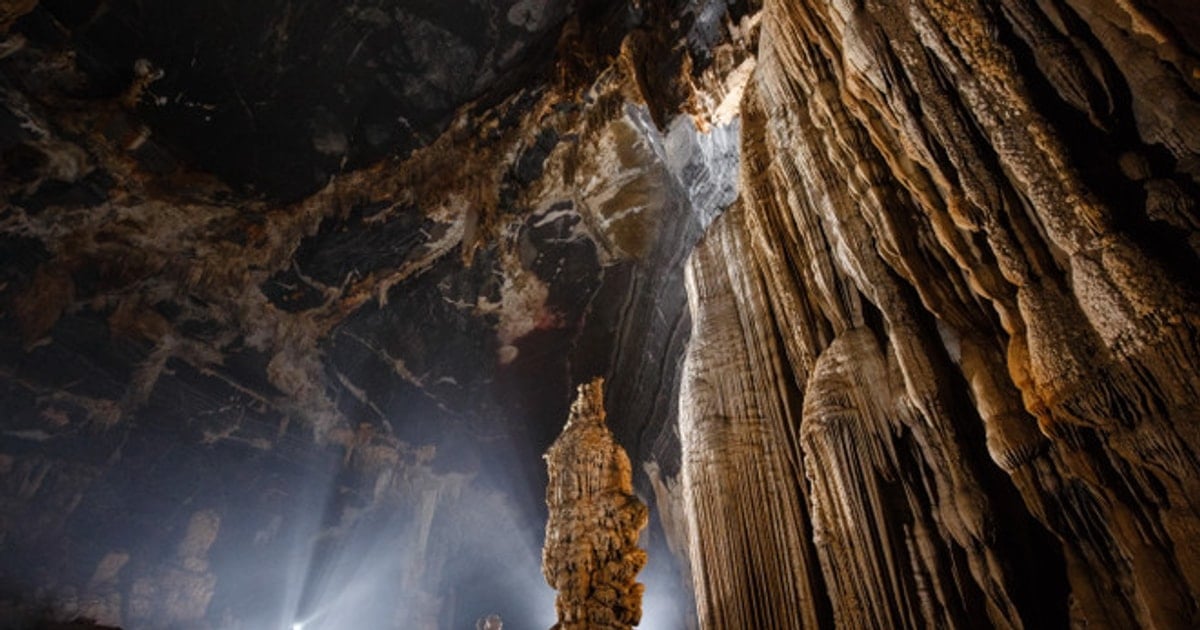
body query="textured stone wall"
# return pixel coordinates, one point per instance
(591, 554)
(735, 467)
(951, 331)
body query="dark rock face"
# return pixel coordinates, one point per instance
(894, 304)
(277, 97)
(350, 381)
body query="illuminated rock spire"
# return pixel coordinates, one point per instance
(591, 555)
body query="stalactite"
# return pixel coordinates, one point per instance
(747, 522)
(986, 346)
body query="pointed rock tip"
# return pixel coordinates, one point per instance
(589, 401)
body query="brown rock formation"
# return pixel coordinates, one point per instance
(952, 296)
(591, 555)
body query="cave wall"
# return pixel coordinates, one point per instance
(949, 332)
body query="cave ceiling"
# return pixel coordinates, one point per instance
(275, 97)
(331, 158)
(253, 248)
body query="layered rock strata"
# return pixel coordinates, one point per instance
(591, 554)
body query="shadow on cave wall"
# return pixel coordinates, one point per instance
(20, 613)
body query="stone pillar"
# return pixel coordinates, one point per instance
(591, 555)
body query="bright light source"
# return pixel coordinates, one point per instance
(297, 626)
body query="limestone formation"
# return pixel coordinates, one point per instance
(949, 270)
(591, 555)
(10, 10)
(896, 305)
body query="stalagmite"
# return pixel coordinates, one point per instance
(591, 555)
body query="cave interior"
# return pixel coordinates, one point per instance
(895, 306)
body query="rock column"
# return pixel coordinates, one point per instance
(591, 555)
